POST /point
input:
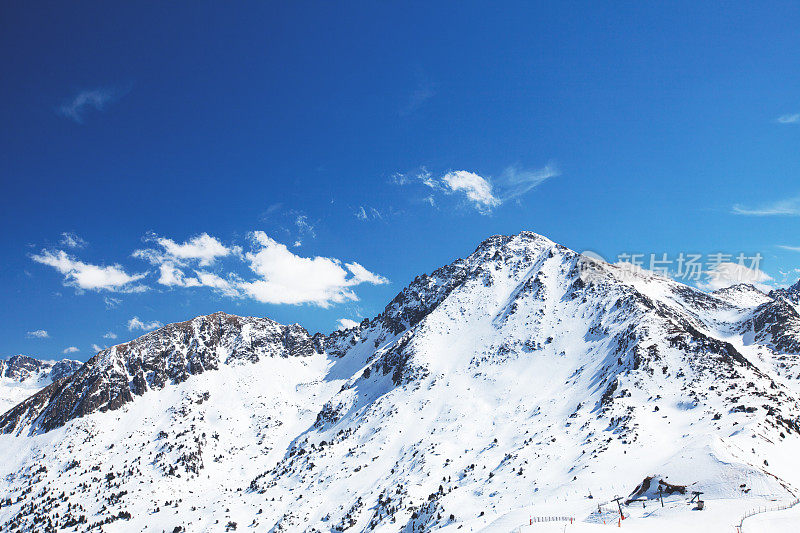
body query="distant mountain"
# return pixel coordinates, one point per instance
(790, 295)
(742, 295)
(521, 379)
(22, 376)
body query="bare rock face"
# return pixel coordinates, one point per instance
(21, 367)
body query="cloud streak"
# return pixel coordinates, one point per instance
(793, 118)
(86, 100)
(519, 181)
(38, 334)
(421, 94)
(367, 213)
(788, 207)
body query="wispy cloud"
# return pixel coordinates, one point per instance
(72, 240)
(135, 323)
(91, 99)
(518, 181)
(421, 176)
(97, 348)
(423, 92)
(367, 213)
(481, 192)
(90, 277)
(110, 335)
(727, 274)
(793, 118)
(304, 227)
(38, 334)
(71, 349)
(111, 303)
(788, 207)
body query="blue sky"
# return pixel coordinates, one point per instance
(161, 162)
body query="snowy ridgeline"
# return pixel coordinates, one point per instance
(22, 376)
(508, 385)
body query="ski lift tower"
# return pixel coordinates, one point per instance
(696, 497)
(619, 505)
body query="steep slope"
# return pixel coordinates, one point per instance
(524, 374)
(21, 376)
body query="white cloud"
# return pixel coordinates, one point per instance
(135, 323)
(726, 274)
(71, 349)
(421, 176)
(367, 213)
(224, 286)
(111, 303)
(203, 249)
(97, 348)
(362, 275)
(483, 193)
(793, 118)
(283, 277)
(172, 276)
(90, 277)
(286, 278)
(96, 99)
(110, 335)
(346, 323)
(71, 240)
(788, 207)
(38, 334)
(304, 226)
(478, 190)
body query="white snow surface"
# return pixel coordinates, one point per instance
(502, 387)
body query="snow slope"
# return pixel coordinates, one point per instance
(513, 383)
(21, 376)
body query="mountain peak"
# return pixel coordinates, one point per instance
(483, 378)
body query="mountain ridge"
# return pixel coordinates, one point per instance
(524, 368)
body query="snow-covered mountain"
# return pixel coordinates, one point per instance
(21, 376)
(515, 382)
